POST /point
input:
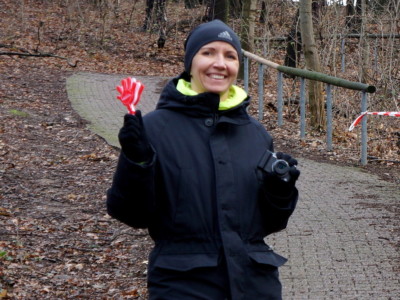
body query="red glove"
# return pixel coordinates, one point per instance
(130, 91)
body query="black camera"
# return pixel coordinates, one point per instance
(271, 164)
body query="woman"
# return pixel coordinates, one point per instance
(190, 172)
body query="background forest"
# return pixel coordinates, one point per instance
(357, 41)
(56, 241)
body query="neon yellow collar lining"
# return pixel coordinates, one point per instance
(236, 94)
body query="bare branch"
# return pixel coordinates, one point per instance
(11, 53)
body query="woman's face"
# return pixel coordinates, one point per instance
(214, 68)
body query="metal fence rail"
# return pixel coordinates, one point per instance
(310, 75)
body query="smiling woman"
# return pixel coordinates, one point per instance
(193, 172)
(214, 69)
(212, 56)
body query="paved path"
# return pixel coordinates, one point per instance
(342, 241)
(93, 96)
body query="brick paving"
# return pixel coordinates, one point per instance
(342, 241)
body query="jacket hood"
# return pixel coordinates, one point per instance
(198, 105)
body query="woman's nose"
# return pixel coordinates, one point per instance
(220, 61)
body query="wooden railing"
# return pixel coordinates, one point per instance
(310, 75)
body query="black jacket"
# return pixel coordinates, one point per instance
(202, 192)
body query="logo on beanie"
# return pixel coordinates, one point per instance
(225, 35)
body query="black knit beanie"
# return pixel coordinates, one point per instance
(205, 33)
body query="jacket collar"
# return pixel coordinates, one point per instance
(201, 105)
(236, 95)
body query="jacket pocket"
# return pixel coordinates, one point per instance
(269, 258)
(186, 262)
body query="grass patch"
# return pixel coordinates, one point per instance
(18, 113)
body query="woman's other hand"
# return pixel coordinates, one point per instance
(133, 139)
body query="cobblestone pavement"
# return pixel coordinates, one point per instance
(342, 241)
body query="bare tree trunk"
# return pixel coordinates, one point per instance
(157, 8)
(263, 13)
(162, 22)
(315, 89)
(222, 10)
(248, 24)
(217, 10)
(293, 44)
(353, 16)
(191, 3)
(235, 8)
(364, 47)
(149, 12)
(350, 11)
(210, 10)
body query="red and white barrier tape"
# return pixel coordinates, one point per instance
(380, 113)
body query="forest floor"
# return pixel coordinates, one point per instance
(56, 240)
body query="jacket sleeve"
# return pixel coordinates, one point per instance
(276, 209)
(278, 206)
(131, 196)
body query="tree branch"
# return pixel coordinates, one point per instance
(10, 53)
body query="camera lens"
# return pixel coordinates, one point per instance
(280, 167)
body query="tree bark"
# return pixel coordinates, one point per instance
(315, 89)
(190, 4)
(149, 11)
(221, 10)
(263, 12)
(353, 16)
(217, 10)
(162, 23)
(235, 8)
(248, 24)
(293, 44)
(364, 47)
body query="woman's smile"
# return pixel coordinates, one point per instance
(215, 68)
